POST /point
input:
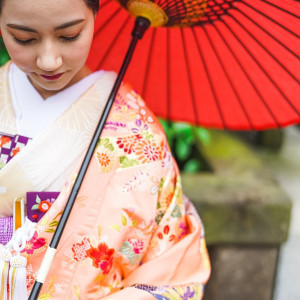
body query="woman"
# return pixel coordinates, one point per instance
(129, 235)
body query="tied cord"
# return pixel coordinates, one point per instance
(14, 267)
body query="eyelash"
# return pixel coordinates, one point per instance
(23, 43)
(64, 38)
(70, 39)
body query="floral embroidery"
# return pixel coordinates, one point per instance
(105, 159)
(80, 249)
(102, 257)
(15, 151)
(147, 151)
(166, 232)
(132, 249)
(4, 140)
(128, 143)
(34, 244)
(193, 291)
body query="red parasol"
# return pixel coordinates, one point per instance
(236, 67)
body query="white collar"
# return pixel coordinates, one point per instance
(34, 114)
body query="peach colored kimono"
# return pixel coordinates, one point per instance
(129, 235)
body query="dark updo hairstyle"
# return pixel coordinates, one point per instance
(92, 4)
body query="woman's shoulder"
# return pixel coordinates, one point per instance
(130, 115)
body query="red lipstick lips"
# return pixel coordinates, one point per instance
(52, 77)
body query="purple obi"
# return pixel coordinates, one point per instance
(10, 145)
(38, 203)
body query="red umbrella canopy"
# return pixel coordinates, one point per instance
(220, 64)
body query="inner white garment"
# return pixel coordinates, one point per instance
(33, 113)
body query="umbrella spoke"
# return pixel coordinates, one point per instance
(274, 21)
(209, 77)
(268, 33)
(246, 74)
(168, 102)
(259, 64)
(262, 46)
(109, 20)
(111, 45)
(191, 87)
(148, 66)
(228, 77)
(262, 69)
(280, 8)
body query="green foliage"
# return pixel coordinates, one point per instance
(183, 139)
(4, 57)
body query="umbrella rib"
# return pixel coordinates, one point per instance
(261, 67)
(227, 75)
(209, 78)
(280, 8)
(245, 73)
(259, 43)
(145, 82)
(168, 74)
(263, 14)
(189, 77)
(104, 3)
(113, 42)
(107, 22)
(268, 33)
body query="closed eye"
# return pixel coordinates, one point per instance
(70, 38)
(23, 42)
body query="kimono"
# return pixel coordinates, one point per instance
(130, 234)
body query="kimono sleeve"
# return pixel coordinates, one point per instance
(176, 263)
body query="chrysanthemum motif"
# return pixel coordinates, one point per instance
(148, 151)
(128, 143)
(105, 159)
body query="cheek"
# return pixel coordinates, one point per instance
(77, 55)
(21, 56)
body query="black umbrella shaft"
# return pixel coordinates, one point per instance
(141, 26)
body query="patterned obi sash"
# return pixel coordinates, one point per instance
(38, 203)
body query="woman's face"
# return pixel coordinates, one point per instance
(49, 40)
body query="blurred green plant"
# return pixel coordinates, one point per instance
(4, 57)
(184, 140)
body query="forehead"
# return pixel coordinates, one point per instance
(44, 11)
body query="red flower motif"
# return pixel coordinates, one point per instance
(44, 206)
(102, 257)
(34, 244)
(4, 140)
(128, 143)
(15, 151)
(80, 249)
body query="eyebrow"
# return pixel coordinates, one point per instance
(62, 26)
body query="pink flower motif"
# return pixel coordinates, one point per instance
(80, 249)
(34, 244)
(137, 245)
(184, 231)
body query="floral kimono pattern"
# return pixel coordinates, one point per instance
(129, 235)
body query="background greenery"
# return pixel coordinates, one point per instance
(4, 57)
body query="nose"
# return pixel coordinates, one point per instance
(49, 58)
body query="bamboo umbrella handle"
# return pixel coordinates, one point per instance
(141, 25)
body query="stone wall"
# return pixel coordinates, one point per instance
(246, 217)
